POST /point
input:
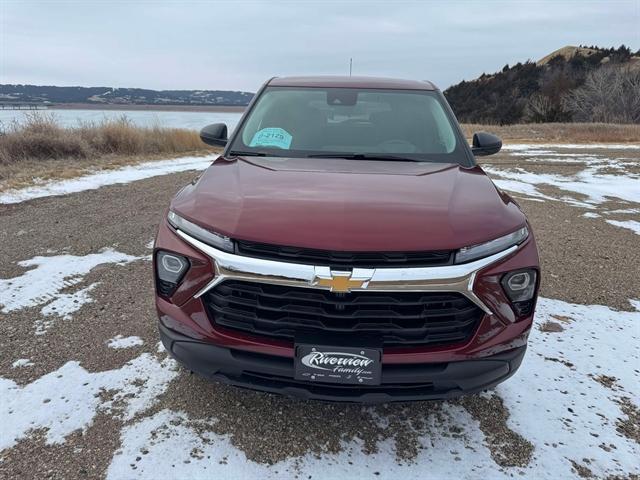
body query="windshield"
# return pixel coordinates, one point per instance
(360, 123)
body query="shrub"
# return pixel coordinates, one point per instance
(40, 137)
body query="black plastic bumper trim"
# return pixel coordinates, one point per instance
(400, 382)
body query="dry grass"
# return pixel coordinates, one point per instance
(40, 138)
(39, 148)
(560, 132)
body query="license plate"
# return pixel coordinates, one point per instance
(344, 365)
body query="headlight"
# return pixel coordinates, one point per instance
(474, 252)
(206, 236)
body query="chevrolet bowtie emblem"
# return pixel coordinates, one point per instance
(340, 282)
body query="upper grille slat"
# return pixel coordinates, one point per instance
(399, 318)
(328, 258)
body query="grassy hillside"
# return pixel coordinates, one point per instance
(587, 84)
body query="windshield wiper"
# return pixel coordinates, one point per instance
(363, 156)
(238, 153)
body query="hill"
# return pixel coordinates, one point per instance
(568, 53)
(570, 84)
(35, 94)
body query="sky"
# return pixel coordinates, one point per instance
(238, 45)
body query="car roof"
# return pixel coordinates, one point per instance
(351, 82)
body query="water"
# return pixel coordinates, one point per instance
(143, 118)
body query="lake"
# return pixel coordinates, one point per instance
(146, 118)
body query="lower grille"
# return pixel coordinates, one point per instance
(398, 318)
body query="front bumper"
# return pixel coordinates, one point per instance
(399, 382)
(491, 355)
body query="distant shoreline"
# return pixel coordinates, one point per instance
(166, 108)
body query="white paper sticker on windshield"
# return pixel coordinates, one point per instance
(271, 137)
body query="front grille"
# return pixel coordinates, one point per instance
(347, 260)
(397, 318)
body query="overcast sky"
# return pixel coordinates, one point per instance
(237, 45)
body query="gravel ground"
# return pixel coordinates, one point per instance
(584, 260)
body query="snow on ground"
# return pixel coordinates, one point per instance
(170, 441)
(595, 181)
(555, 401)
(119, 342)
(629, 224)
(624, 211)
(108, 177)
(69, 398)
(591, 181)
(516, 186)
(22, 362)
(44, 284)
(595, 186)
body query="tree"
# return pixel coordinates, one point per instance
(609, 94)
(621, 55)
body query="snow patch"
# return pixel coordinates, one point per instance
(119, 341)
(518, 187)
(43, 284)
(590, 215)
(22, 362)
(555, 401)
(169, 441)
(110, 177)
(69, 398)
(63, 306)
(628, 224)
(597, 187)
(596, 181)
(623, 211)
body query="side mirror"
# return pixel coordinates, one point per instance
(214, 134)
(485, 144)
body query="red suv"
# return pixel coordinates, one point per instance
(346, 246)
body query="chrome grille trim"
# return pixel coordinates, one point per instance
(446, 278)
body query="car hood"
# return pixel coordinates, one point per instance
(349, 205)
